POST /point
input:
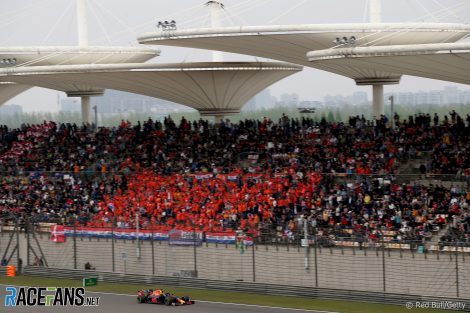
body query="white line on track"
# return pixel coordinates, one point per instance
(214, 302)
(266, 307)
(227, 303)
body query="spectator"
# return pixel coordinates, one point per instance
(174, 174)
(88, 267)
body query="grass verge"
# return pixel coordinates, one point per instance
(222, 296)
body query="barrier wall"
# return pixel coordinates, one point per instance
(148, 281)
(373, 269)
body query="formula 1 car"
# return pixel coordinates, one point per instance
(159, 296)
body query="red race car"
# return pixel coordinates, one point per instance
(159, 296)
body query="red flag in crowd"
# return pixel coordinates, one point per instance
(58, 233)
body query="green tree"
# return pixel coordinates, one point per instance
(338, 116)
(330, 118)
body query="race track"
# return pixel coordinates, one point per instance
(112, 303)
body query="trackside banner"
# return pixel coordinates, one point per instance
(226, 238)
(177, 237)
(118, 233)
(184, 238)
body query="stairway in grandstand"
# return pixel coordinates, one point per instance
(408, 171)
(437, 236)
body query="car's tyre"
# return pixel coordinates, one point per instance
(169, 300)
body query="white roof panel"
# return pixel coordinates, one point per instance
(66, 55)
(10, 90)
(291, 43)
(448, 62)
(208, 87)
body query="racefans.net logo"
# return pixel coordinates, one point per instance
(48, 296)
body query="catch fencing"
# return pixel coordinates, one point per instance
(257, 288)
(413, 268)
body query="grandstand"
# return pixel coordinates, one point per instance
(178, 175)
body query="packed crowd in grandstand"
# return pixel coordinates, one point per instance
(257, 176)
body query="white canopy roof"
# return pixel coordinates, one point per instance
(10, 90)
(291, 43)
(41, 56)
(449, 62)
(211, 88)
(64, 55)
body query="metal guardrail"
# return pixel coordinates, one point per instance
(3, 270)
(268, 289)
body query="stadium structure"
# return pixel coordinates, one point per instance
(446, 61)
(296, 44)
(291, 43)
(218, 88)
(213, 88)
(18, 57)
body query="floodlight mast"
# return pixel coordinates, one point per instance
(375, 10)
(82, 23)
(216, 9)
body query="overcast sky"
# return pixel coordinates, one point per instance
(119, 22)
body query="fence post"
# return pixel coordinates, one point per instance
(253, 258)
(194, 249)
(137, 228)
(153, 249)
(457, 270)
(315, 244)
(18, 260)
(383, 265)
(112, 243)
(28, 243)
(10, 240)
(75, 243)
(306, 261)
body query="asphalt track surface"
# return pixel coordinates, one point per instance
(113, 303)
